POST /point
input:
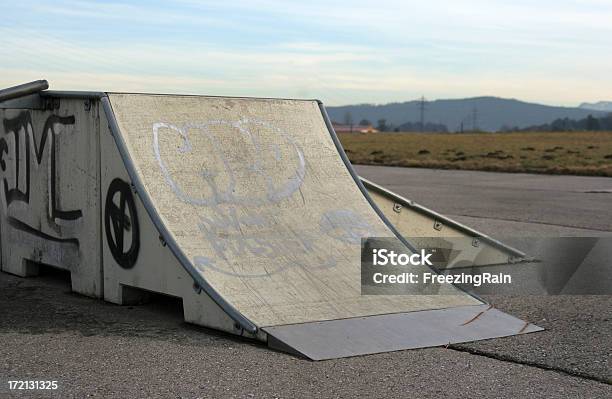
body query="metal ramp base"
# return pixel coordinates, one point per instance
(392, 332)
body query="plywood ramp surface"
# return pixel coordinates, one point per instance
(257, 196)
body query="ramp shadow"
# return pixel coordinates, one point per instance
(45, 304)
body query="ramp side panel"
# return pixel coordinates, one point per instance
(387, 333)
(426, 231)
(427, 218)
(145, 261)
(256, 195)
(50, 198)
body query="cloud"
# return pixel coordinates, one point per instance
(343, 52)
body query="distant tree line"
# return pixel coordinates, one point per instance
(567, 125)
(383, 126)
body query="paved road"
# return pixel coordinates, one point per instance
(96, 349)
(499, 203)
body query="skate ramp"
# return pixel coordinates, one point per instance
(247, 209)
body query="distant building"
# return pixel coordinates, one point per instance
(342, 128)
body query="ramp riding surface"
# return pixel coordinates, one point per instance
(255, 194)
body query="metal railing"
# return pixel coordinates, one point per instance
(23, 90)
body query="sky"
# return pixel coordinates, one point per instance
(554, 52)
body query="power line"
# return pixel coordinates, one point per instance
(421, 104)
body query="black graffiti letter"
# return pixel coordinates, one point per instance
(3, 150)
(116, 222)
(15, 125)
(49, 131)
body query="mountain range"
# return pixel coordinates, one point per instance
(480, 113)
(598, 106)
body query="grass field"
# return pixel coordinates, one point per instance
(579, 153)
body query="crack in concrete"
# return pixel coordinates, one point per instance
(541, 366)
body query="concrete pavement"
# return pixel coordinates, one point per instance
(98, 349)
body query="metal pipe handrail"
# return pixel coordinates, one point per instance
(23, 90)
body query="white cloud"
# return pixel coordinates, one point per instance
(343, 52)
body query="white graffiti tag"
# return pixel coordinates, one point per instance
(240, 171)
(244, 150)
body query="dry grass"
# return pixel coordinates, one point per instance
(579, 153)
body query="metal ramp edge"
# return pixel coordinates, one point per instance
(398, 331)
